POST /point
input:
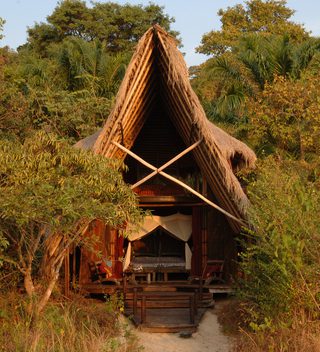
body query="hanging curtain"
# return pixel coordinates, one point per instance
(177, 224)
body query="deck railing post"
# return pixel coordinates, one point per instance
(134, 301)
(200, 289)
(143, 310)
(124, 287)
(196, 301)
(191, 299)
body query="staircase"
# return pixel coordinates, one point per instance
(166, 307)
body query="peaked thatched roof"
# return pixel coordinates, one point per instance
(157, 68)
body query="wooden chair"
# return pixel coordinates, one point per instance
(98, 271)
(213, 272)
(94, 273)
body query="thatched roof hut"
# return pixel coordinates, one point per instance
(158, 71)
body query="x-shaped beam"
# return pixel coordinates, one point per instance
(173, 179)
(164, 166)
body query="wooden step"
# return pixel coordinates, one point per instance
(159, 289)
(174, 328)
(206, 304)
(206, 300)
(165, 304)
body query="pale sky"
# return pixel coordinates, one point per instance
(193, 18)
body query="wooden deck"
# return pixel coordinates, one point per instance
(110, 288)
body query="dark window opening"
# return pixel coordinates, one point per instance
(159, 243)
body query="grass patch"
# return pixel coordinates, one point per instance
(303, 334)
(78, 325)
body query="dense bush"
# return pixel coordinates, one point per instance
(281, 260)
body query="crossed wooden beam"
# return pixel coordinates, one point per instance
(160, 171)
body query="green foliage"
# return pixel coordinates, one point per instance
(281, 262)
(118, 26)
(255, 60)
(2, 22)
(115, 303)
(70, 93)
(72, 115)
(4, 243)
(286, 118)
(44, 181)
(87, 66)
(14, 117)
(256, 44)
(270, 17)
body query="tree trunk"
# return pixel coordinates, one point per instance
(28, 283)
(52, 248)
(50, 286)
(29, 286)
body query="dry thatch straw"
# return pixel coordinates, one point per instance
(158, 63)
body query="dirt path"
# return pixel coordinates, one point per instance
(209, 337)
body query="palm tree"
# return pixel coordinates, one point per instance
(255, 60)
(88, 66)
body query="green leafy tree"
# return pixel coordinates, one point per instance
(122, 26)
(14, 118)
(70, 18)
(50, 193)
(119, 26)
(271, 17)
(286, 117)
(68, 114)
(2, 22)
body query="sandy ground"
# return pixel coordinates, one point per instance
(208, 337)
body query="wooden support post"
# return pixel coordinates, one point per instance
(135, 301)
(74, 269)
(124, 282)
(165, 276)
(192, 309)
(180, 183)
(143, 309)
(196, 300)
(67, 273)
